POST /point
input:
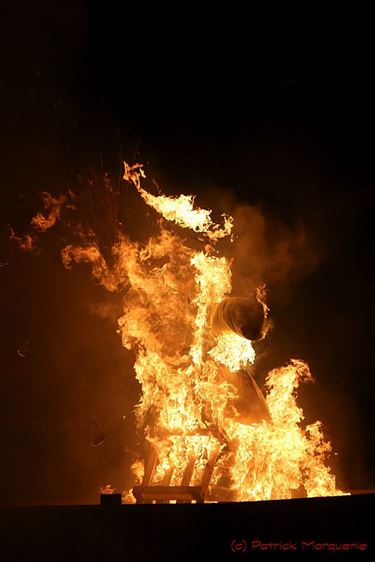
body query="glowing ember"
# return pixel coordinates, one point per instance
(107, 489)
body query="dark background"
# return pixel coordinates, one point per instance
(209, 103)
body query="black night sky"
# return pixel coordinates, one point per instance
(212, 110)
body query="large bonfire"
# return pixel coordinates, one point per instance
(192, 342)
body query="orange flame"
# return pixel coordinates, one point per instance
(107, 489)
(179, 209)
(53, 207)
(25, 242)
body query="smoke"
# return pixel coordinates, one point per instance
(89, 254)
(264, 250)
(267, 251)
(106, 310)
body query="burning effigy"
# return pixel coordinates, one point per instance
(209, 431)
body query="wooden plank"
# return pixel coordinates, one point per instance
(185, 493)
(168, 477)
(166, 481)
(150, 466)
(164, 433)
(207, 474)
(150, 493)
(188, 473)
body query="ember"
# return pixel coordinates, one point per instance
(107, 489)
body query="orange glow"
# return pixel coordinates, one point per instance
(190, 393)
(52, 207)
(107, 489)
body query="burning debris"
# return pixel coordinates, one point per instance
(98, 440)
(107, 489)
(23, 349)
(210, 433)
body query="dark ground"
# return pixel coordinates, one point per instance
(183, 532)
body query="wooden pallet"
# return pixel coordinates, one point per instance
(184, 493)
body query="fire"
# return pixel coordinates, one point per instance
(273, 457)
(52, 206)
(193, 346)
(179, 209)
(107, 489)
(233, 351)
(25, 243)
(187, 374)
